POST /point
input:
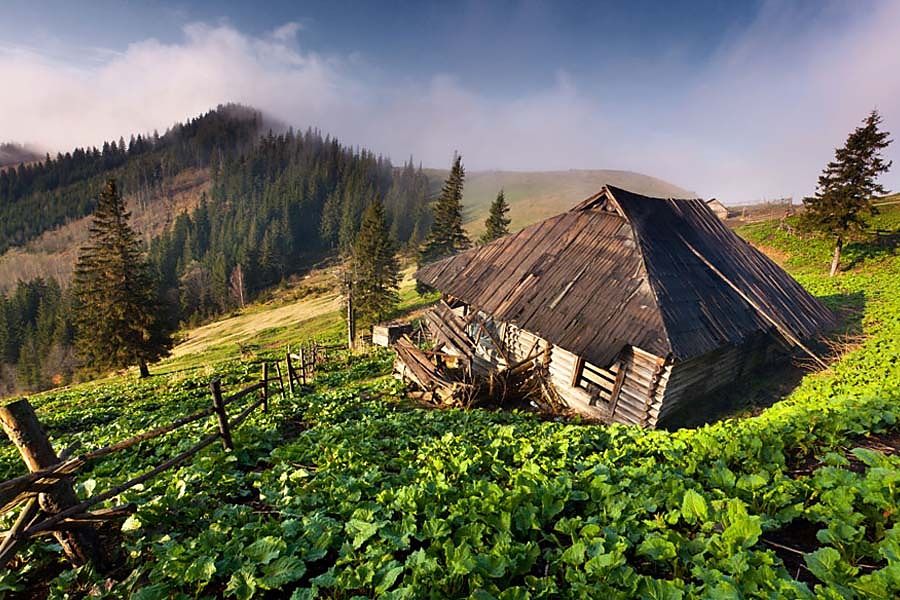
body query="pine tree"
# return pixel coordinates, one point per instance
(376, 272)
(119, 320)
(497, 223)
(846, 186)
(447, 235)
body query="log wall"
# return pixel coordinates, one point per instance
(640, 388)
(636, 382)
(705, 374)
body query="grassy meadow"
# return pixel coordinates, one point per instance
(349, 490)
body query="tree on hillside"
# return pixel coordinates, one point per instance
(119, 320)
(236, 286)
(447, 235)
(497, 223)
(846, 186)
(376, 272)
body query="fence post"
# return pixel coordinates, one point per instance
(302, 365)
(290, 371)
(219, 406)
(280, 378)
(265, 389)
(23, 428)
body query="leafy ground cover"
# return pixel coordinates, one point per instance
(348, 490)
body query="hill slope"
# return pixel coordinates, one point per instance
(536, 195)
(15, 154)
(347, 488)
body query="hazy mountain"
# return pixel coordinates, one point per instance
(536, 195)
(12, 154)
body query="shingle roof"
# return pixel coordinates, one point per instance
(619, 269)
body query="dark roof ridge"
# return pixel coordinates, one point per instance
(639, 248)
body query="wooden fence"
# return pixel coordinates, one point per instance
(301, 366)
(51, 506)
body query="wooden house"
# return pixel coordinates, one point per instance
(637, 305)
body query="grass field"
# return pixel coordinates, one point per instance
(349, 490)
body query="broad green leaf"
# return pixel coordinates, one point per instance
(242, 585)
(281, 571)
(388, 579)
(574, 555)
(201, 570)
(265, 550)
(361, 531)
(656, 547)
(823, 562)
(693, 507)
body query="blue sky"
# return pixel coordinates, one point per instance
(740, 100)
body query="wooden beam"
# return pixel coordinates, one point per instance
(219, 408)
(23, 428)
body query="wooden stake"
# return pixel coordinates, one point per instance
(302, 366)
(219, 407)
(265, 388)
(290, 374)
(280, 379)
(351, 322)
(24, 429)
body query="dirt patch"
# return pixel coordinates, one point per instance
(887, 443)
(790, 543)
(776, 254)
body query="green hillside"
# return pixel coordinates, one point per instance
(350, 490)
(536, 195)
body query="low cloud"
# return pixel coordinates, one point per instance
(758, 119)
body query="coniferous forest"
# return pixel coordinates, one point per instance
(278, 203)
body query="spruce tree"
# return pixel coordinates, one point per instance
(119, 320)
(846, 186)
(497, 223)
(374, 267)
(447, 235)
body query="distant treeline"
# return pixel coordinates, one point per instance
(277, 202)
(36, 334)
(39, 196)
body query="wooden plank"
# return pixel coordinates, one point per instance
(617, 388)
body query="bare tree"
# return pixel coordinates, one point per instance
(236, 285)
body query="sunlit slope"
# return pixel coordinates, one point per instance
(536, 195)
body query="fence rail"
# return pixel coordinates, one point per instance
(301, 366)
(50, 503)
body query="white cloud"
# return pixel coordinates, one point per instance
(759, 119)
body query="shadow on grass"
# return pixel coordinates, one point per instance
(878, 245)
(772, 382)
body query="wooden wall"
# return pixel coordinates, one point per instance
(585, 387)
(705, 374)
(639, 389)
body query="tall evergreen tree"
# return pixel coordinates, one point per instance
(447, 235)
(119, 319)
(374, 265)
(846, 186)
(497, 223)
